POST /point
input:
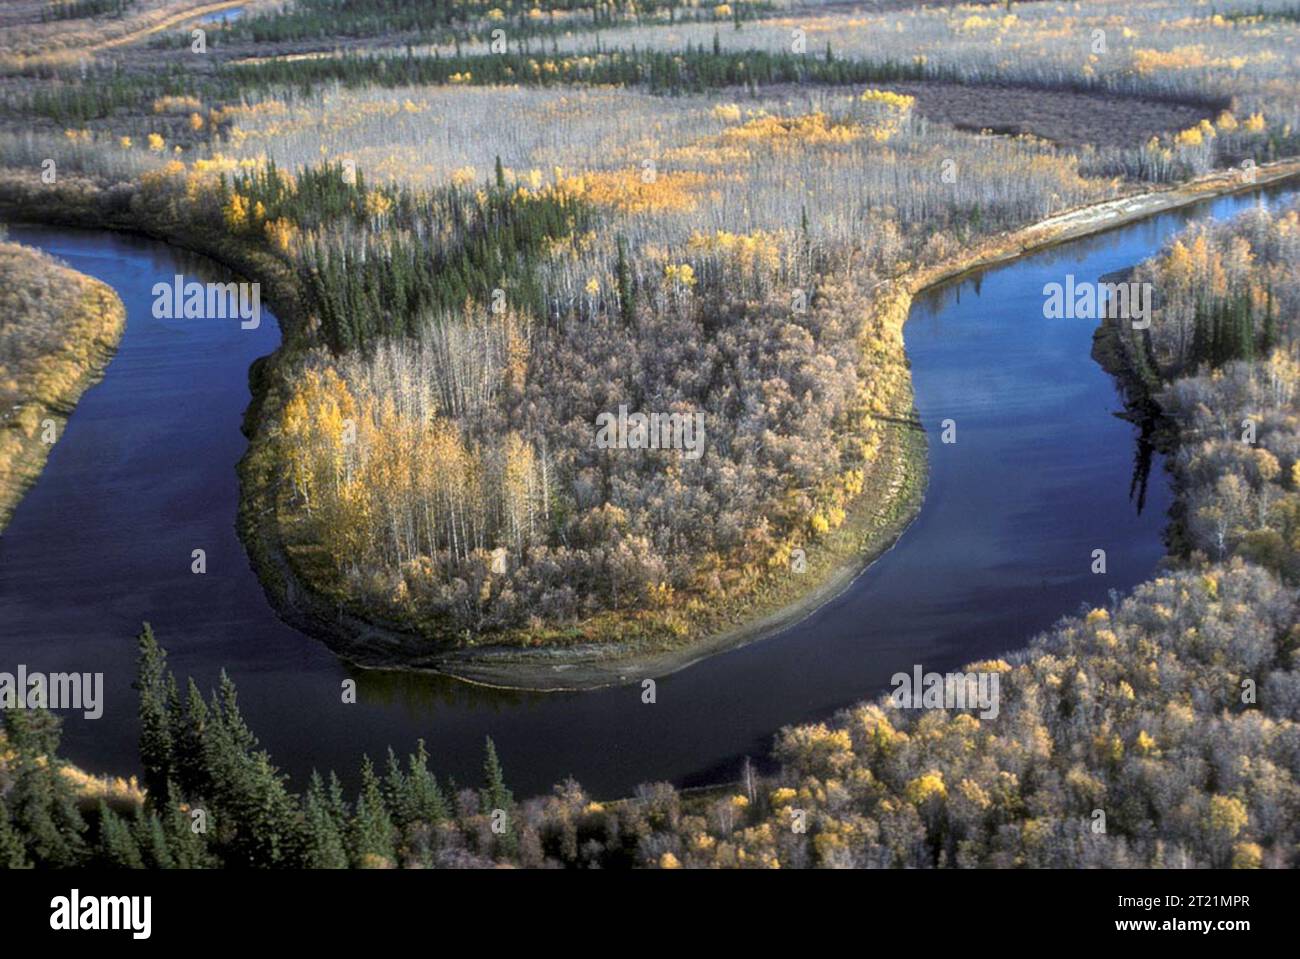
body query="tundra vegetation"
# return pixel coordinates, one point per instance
(691, 209)
(58, 330)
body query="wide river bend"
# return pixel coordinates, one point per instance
(1040, 476)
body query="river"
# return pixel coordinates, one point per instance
(1040, 476)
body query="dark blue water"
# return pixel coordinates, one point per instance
(223, 16)
(1039, 477)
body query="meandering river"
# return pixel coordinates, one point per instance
(1040, 476)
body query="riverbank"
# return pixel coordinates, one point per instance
(871, 528)
(784, 596)
(509, 668)
(61, 330)
(961, 586)
(871, 525)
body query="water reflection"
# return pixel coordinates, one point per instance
(1043, 473)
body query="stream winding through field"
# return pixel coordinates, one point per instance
(1040, 476)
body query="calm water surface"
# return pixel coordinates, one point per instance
(1040, 476)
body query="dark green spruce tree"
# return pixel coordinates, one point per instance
(188, 848)
(373, 839)
(13, 853)
(626, 293)
(255, 818)
(324, 846)
(429, 804)
(497, 801)
(155, 721)
(41, 802)
(118, 848)
(151, 839)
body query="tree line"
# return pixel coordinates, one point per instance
(214, 799)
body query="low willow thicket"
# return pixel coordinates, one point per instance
(59, 327)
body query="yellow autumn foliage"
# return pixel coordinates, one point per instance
(633, 191)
